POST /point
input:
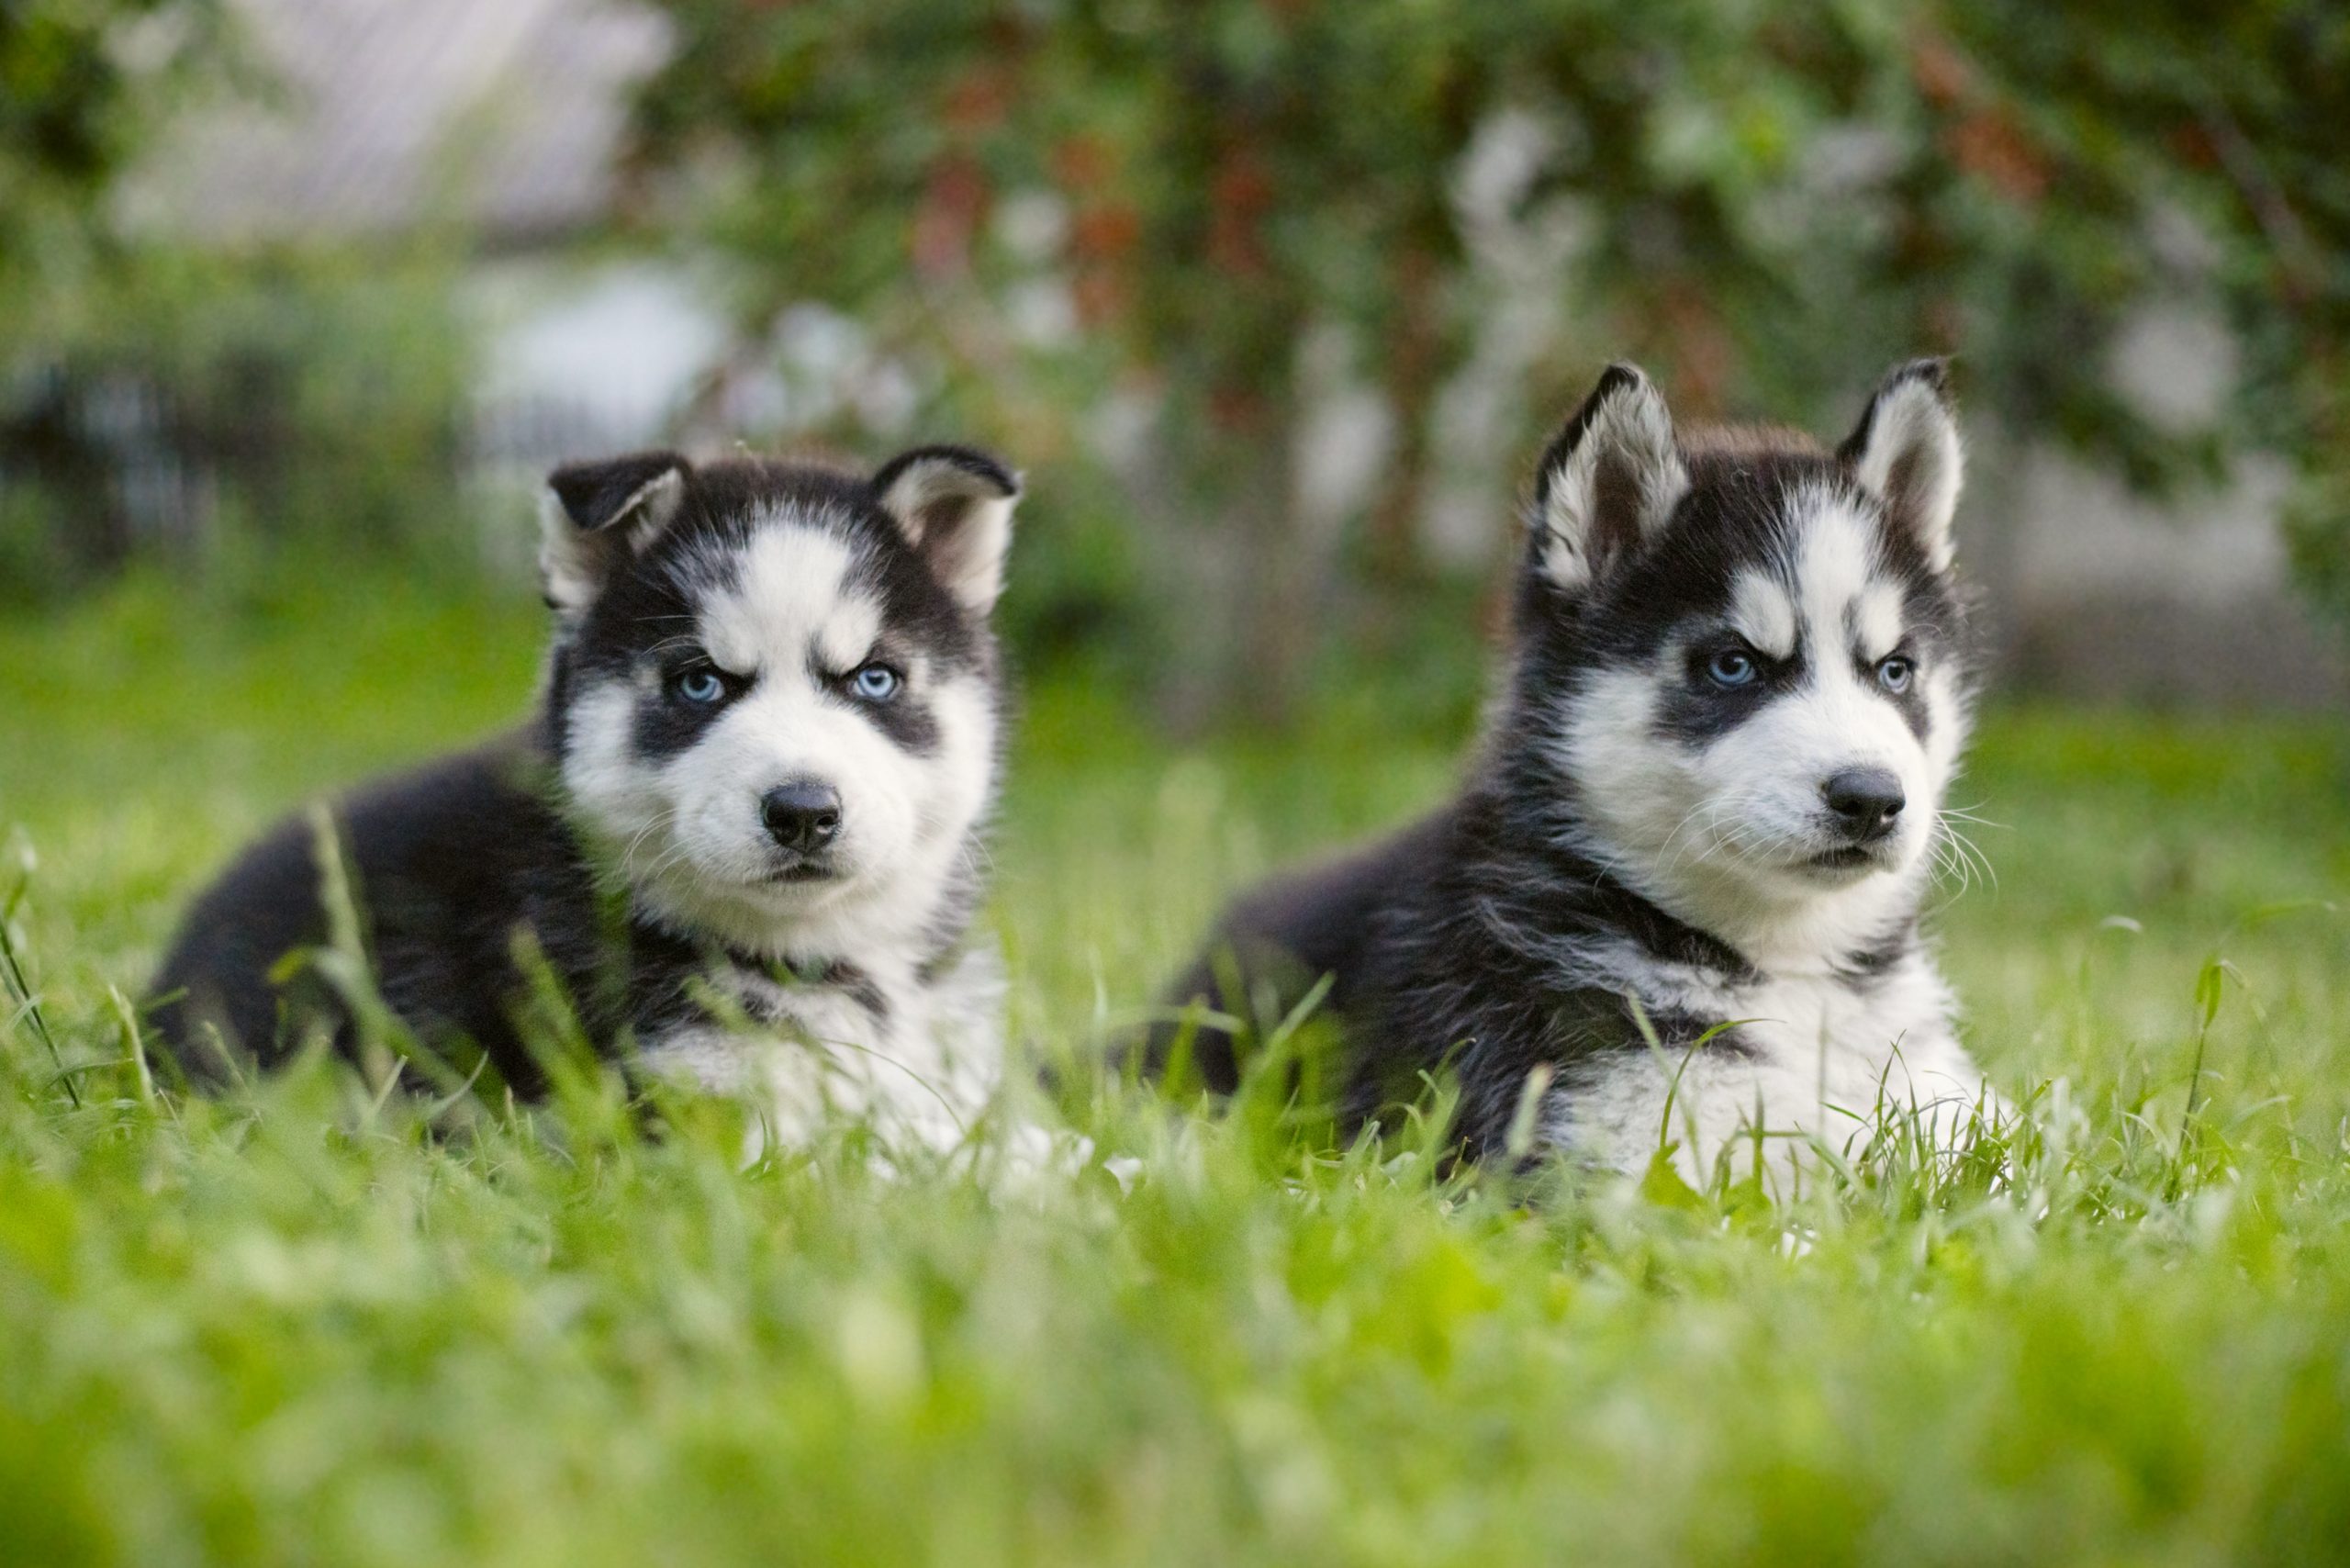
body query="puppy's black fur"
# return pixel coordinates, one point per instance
(449, 864)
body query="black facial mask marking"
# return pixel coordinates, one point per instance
(906, 720)
(1697, 711)
(668, 722)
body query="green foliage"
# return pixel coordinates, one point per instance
(1767, 202)
(2317, 530)
(298, 1324)
(81, 82)
(2221, 136)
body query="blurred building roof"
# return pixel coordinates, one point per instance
(373, 116)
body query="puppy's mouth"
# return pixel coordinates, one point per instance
(1845, 863)
(804, 869)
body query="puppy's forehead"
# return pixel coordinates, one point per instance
(789, 592)
(1846, 597)
(1823, 584)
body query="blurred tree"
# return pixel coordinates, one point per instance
(78, 93)
(158, 393)
(77, 81)
(1767, 201)
(2229, 128)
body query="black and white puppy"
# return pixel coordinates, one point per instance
(754, 794)
(1709, 797)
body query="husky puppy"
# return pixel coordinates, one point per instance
(1706, 808)
(742, 831)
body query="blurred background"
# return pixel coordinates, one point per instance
(1273, 299)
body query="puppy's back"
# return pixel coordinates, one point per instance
(1280, 939)
(447, 864)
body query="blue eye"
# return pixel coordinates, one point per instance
(875, 683)
(700, 686)
(1731, 667)
(1894, 674)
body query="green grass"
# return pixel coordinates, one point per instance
(293, 1328)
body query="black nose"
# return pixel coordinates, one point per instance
(1866, 801)
(803, 816)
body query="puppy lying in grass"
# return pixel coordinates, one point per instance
(739, 841)
(1675, 905)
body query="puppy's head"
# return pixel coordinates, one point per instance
(772, 690)
(1746, 648)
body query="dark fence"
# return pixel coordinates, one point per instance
(103, 465)
(94, 468)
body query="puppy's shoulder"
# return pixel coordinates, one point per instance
(1326, 917)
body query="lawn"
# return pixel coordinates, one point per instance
(293, 1326)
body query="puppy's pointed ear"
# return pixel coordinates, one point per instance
(1905, 452)
(594, 516)
(1609, 483)
(953, 504)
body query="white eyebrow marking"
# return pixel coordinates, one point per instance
(1763, 614)
(789, 599)
(1842, 601)
(1877, 618)
(848, 635)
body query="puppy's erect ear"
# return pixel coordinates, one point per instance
(954, 506)
(597, 515)
(1608, 482)
(1905, 452)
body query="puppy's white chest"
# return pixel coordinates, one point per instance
(1810, 1059)
(1817, 1046)
(914, 1060)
